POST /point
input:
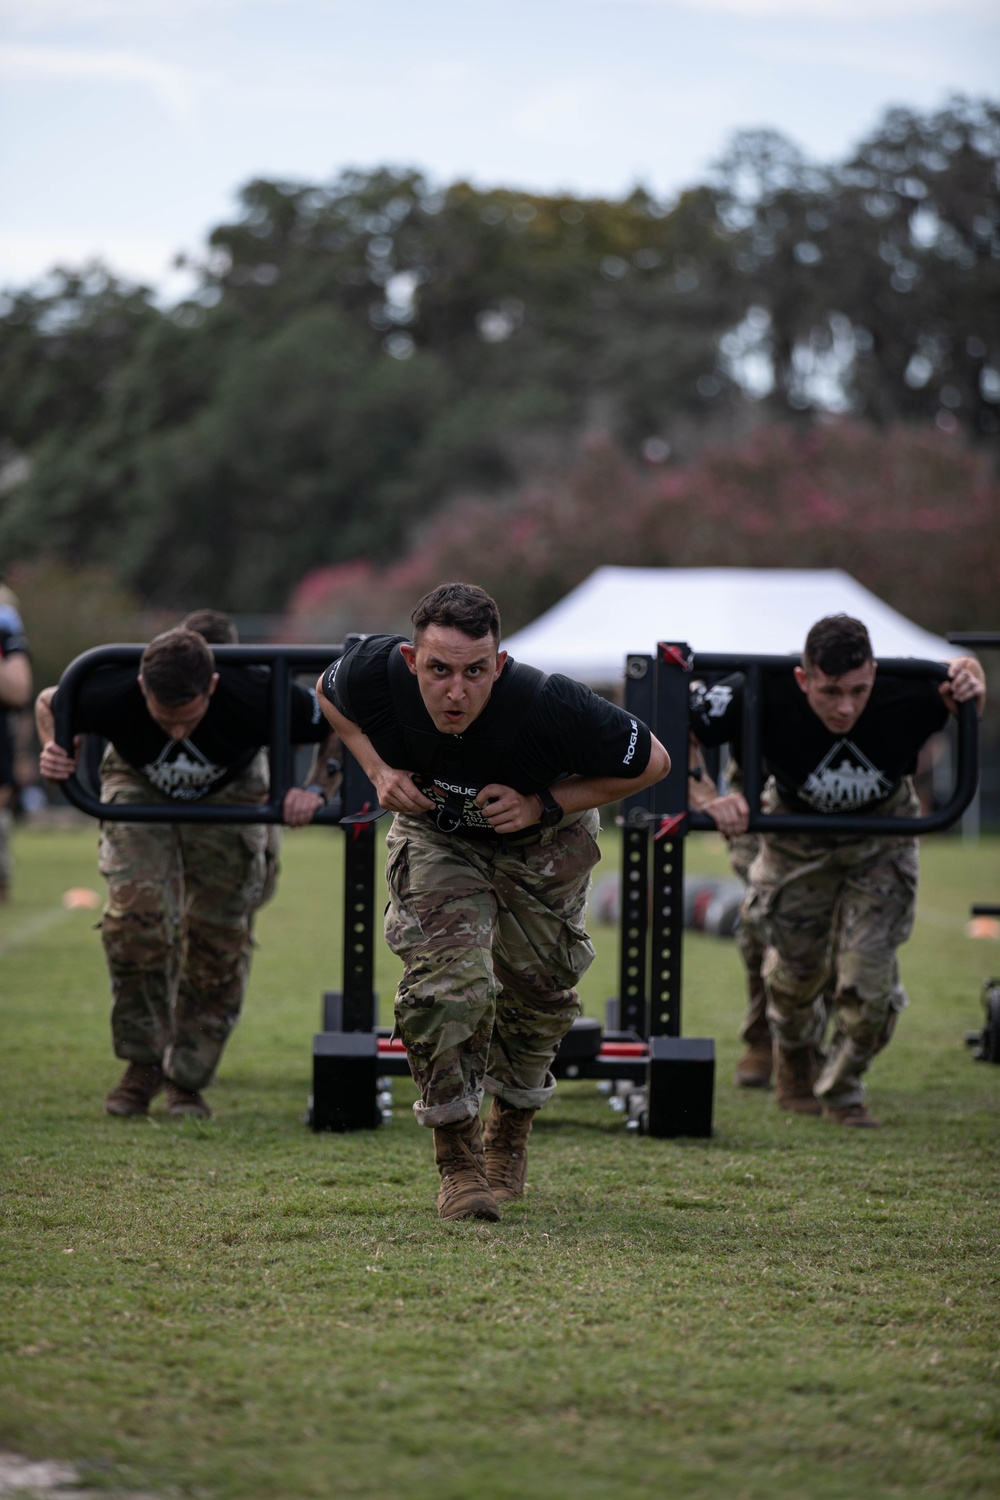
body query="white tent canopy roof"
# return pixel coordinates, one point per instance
(766, 611)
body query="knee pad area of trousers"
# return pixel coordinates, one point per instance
(869, 977)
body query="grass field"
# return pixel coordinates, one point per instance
(240, 1310)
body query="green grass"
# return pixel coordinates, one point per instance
(238, 1308)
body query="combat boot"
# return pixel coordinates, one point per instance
(505, 1140)
(795, 1074)
(465, 1192)
(131, 1095)
(186, 1104)
(753, 1071)
(851, 1114)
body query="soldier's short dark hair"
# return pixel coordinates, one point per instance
(177, 666)
(837, 644)
(463, 606)
(213, 625)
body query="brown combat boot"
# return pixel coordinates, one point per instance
(795, 1074)
(465, 1193)
(851, 1114)
(753, 1071)
(185, 1104)
(505, 1140)
(131, 1095)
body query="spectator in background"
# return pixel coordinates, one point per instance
(15, 694)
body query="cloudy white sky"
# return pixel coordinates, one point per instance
(128, 125)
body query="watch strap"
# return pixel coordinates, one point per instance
(552, 811)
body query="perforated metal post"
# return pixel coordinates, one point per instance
(359, 903)
(681, 1085)
(345, 1053)
(672, 683)
(666, 937)
(633, 969)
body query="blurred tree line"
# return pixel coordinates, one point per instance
(368, 367)
(911, 514)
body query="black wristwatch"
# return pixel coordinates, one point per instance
(316, 790)
(552, 813)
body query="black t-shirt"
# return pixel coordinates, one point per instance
(533, 731)
(814, 769)
(12, 642)
(12, 637)
(236, 725)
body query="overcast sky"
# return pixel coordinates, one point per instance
(128, 125)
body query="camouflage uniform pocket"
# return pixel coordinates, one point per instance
(402, 926)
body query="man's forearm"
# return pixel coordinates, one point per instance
(966, 680)
(15, 681)
(326, 767)
(45, 721)
(55, 763)
(354, 737)
(701, 788)
(578, 793)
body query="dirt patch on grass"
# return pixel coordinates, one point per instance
(50, 1479)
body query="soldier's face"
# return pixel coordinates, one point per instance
(838, 702)
(455, 674)
(178, 720)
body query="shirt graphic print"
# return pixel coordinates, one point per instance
(182, 771)
(844, 780)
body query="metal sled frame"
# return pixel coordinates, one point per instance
(655, 824)
(642, 1043)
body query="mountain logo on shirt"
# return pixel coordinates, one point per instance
(182, 771)
(844, 780)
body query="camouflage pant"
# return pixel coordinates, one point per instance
(177, 925)
(743, 849)
(6, 859)
(836, 908)
(755, 1031)
(493, 943)
(272, 860)
(751, 940)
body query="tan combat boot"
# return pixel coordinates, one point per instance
(131, 1095)
(851, 1114)
(185, 1104)
(753, 1071)
(506, 1147)
(795, 1074)
(465, 1193)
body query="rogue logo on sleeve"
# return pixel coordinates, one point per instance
(844, 779)
(633, 741)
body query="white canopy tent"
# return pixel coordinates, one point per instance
(767, 611)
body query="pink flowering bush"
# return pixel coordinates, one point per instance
(913, 514)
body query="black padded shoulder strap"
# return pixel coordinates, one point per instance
(520, 685)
